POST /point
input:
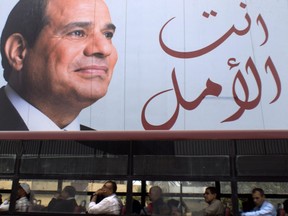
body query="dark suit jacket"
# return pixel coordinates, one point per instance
(59, 205)
(10, 120)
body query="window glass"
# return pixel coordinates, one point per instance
(7, 163)
(187, 196)
(5, 187)
(189, 187)
(268, 187)
(181, 165)
(45, 193)
(74, 164)
(225, 187)
(5, 184)
(137, 186)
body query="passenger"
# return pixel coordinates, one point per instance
(81, 208)
(285, 207)
(262, 207)
(248, 205)
(22, 202)
(177, 208)
(215, 207)
(4, 206)
(111, 204)
(65, 202)
(157, 205)
(136, 208)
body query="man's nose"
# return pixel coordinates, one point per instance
(98, 45)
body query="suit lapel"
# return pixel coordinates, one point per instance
(10, 120)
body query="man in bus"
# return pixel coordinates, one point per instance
(215, 207)
(157, 206)
(110, 205)
(64, 202)
(58, 59)
(262, 207)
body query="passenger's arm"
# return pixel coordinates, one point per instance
(211, 209)
(99, 208)
(267, 210)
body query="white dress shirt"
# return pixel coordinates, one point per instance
(266, 209)
(34, 119)
(109, 205)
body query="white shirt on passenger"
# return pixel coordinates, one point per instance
(109, 205)
(34, 119)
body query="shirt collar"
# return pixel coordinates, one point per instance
(34, 119)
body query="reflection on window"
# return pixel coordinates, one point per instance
(268, 187)
(5, 184)
(225, 187)
(137, 186)
(178, 186)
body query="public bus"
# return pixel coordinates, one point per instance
(183, 164)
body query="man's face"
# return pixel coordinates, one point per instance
(154, 194)
(107, 189)
(208, 196)
(258, 198)
(73, 58)
(21, 192)
(64, 194)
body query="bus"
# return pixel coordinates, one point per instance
(182, 164)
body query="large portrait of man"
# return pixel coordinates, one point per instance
(58, 58)
(181, 65)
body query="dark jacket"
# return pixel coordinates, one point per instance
(10, 120)
(60, 205)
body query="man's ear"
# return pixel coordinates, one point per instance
(15, 50)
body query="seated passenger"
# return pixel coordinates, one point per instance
(111, 204)
(263, 207)
(22, 202)
(4, 206)
(65, 202)
(81, 208)
(248, 205)
(285, 207)
(157, 205)
(215, 207)
(177, 208)
(136, 208)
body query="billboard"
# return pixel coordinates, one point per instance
(191, 65)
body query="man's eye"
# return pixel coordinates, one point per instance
(109, 35)
(78, 33)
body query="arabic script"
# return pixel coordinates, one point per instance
(212, 88)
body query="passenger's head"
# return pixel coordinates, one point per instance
(23, 190)
(155, 193)
(59, 52)
(258, 196)
(68, 191)
(210, 194)
(109, 188)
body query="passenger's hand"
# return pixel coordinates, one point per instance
(99, 192)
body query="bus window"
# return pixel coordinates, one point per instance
(275, 192)
(6, 185)
(44, 194)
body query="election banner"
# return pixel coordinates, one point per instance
(192, 65)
